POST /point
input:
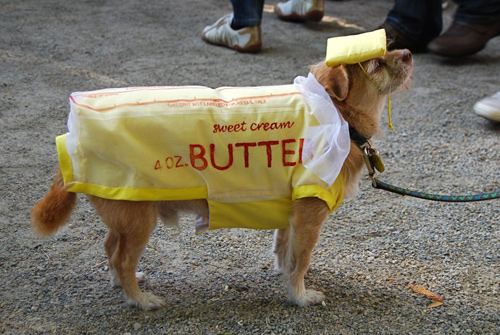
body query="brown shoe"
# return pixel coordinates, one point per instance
(463, 39)
(396, 40)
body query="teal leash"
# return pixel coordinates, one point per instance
(373, 161)
(436, 197)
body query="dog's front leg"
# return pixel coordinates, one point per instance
(280, 248)
(309, 215)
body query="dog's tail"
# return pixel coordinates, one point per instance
(52, 212)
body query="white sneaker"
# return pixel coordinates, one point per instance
(246, 39)
(489, 107)
(301, 10)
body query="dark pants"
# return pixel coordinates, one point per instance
(422, 19)
(247, 12)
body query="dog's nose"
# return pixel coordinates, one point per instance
(406, 55)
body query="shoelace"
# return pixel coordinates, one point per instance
(221, 33)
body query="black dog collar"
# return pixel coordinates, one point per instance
(357, 138)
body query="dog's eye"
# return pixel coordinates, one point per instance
(378, 64)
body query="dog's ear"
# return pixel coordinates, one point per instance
(335, 80)
(338, 85)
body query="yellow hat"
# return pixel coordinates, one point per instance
(355, 48)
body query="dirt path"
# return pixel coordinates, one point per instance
(223, 282)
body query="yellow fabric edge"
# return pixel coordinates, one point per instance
(333, 201)
(65, 163)
(241, 212)
(264, 215)
(119, 193)
(138, 194)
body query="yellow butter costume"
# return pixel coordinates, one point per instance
(249, 151)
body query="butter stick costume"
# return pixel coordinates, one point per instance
(250, 151)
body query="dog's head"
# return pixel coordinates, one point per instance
(360, 96)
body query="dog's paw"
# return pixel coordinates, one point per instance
(307, 298)
(278, 270)
(115, 281)
(140, 277)
(279, 263)
(147, 301)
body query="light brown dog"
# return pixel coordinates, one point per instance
(131, 223)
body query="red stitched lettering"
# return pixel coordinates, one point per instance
(200, 162)
(287, 152)
(212, 157)
(232, 128)
(245, 146)
(199, 156)
(169, 162)
(266, 126)
(157, 165)
(178, 163)
(301, 146)
(240, 126)
(269, 150)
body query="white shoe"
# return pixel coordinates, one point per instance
(489, 107)
(246, 39)
(301, 10)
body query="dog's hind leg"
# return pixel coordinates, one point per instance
(280, 248)
(110, 244)
(130, 224)
(168, 213)
(308, 216)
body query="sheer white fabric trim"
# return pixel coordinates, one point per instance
(72, 139)
(325, 146)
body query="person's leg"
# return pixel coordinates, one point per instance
(474, 24)
(239, 30)
(418, 21)
(482, 12)
(247, 13)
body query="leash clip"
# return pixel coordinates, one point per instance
(368, 152)
(369, 155)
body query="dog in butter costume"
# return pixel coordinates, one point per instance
(275, 157)
(242, 149)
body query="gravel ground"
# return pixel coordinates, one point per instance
(223, 282)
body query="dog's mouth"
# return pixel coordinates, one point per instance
(403, 68)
